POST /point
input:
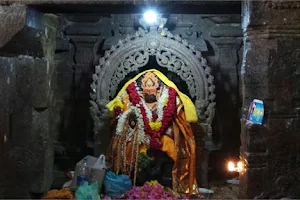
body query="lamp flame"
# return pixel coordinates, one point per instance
(235, 167)
(230, 166)
(240, 166)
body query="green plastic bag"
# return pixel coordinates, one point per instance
(87, 192)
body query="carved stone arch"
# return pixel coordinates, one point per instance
(171, 52)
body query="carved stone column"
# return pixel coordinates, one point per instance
(270, 72)
(84, 35)
(227, 37)
(227, 84)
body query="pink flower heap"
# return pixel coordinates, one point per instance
(151, 190)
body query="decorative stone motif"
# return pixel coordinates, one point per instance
(282, 4)
(171, 52)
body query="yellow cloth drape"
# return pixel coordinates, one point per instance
(189, 107)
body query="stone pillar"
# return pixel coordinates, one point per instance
(254, 155)
(85, 32)
(27, 79)
(7, 86)
(13, 19)
(270, 72)
(227, 36)
(83, 70)
(227, 85)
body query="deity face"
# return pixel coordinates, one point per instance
(150, 98)
(150, 86)
(132, 124)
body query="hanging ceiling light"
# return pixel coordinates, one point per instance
(150, 16)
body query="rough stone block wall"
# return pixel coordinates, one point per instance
(271, 73)
(28, 147)
(27, 81)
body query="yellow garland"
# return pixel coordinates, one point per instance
(155, 125)
(189, 107)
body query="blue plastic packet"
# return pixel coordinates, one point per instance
(116, 185)
(256, 112)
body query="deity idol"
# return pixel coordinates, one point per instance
(152, 114)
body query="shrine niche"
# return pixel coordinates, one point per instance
(174, 54)
(170, 52)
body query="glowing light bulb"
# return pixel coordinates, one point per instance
(150, 16)
(230, 166)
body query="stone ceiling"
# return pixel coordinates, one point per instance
(39, 2)
(131, 6)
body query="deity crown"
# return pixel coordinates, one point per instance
(150, 83)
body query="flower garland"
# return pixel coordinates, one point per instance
(167, 116)
(161, 103)
(155, 120)
(138, 139)
(142, 139)
(119, 106)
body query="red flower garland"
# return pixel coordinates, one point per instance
(168, 114)
(118, 111)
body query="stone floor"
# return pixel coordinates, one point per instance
(223, 190)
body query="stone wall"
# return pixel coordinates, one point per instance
(27, 79)
(271, 73)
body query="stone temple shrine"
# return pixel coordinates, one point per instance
(167, 98)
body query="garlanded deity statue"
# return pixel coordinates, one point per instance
(151, 114)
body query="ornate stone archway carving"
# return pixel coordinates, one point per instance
(171, 52)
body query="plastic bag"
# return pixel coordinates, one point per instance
(116, 186)
(87, 192)
(100, 163)
(98, 170)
